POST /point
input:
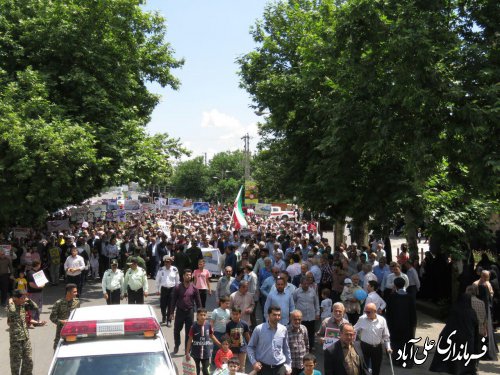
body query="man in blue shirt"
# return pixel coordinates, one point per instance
(268, 349)
(281, 299)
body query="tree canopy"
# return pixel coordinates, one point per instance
(217, 182)
(367, 98)
(74, 102)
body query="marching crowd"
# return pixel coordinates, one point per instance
(283, 291)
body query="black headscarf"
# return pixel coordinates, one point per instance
(463, 319)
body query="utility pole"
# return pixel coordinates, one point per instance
(246, 156)
(206, 158)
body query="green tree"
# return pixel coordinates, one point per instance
(86, 64)
(226, 172)
(191, 179)
(363, 99)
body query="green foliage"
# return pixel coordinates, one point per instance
(74, 103)
(366, 98)
(219, 181)
(456, 212)
(226, 172)
(191, 179)
(42, 154)
(477, 254)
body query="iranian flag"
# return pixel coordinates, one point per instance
(238, 214)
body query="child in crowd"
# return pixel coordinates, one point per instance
(239, 335)
(224, 354)
(309, 365)
(199, 344)
(234, 367)
(201, 279)
(94, 264)
(326, 304)
(20, 282)
(220, 317)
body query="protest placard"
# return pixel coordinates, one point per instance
(57, 225)
(7, 249)
(132, 205)
(19, 232)
(263, 209)
(40, 278)
(332, 335)
(211, 257)
(201, 208)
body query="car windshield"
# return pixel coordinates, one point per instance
(118, 364)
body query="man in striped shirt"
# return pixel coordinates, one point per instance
(298, 341)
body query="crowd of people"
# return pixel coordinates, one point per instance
(282, 291)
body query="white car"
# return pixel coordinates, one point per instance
(112, 339)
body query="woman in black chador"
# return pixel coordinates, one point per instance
(486, 294)
(463, 319)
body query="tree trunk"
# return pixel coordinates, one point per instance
(339, 232)
(456, 270)
(360, 233)
(388, 249)
(411, 232)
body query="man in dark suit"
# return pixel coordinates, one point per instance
(345, 354)
(163, 248)
(401, 318)
(194, 254)
(127, 248)
(152, 257)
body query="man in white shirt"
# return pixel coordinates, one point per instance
(112, 284)
(380, 251)
(167, 279)
(373, 332)
(373, 297)
(74, 266)
(388, 286)
(279, 262)
(369, 276)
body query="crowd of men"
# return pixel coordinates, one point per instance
(283, 291)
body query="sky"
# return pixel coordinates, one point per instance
(209, 113)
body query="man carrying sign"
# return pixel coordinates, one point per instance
(333, 322)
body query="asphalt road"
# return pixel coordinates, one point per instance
(42, 337)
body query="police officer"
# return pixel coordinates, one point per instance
(20, 345)
(166, 279)
(62, 308)
(135, 285)
(112, 284)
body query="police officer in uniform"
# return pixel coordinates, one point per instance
(62, 308)
(166, 279)
(20, 345)
(135, 286)
(112, 284)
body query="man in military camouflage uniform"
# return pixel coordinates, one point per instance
(20, 345)
(62, 308)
